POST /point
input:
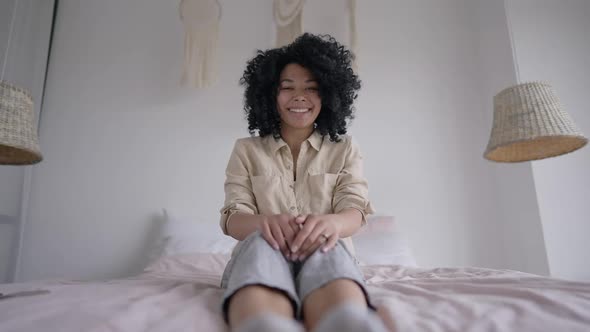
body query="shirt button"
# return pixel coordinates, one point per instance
(288, 166)
(292, 208)
(291, 186)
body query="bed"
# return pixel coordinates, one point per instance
(179, 291)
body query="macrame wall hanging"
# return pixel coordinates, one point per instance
(201, 24)
(288, 17)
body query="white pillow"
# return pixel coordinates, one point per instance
(187, 235)
(381, 243)
(377, 243)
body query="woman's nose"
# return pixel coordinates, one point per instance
(300, 97)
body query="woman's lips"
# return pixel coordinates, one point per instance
(299, 110)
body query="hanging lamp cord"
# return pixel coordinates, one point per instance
(9, 39)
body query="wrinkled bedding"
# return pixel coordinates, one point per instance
(182, 294)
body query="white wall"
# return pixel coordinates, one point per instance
(422, 131)
(519, 232)
(122, 139)
(552, 40)
(25, 66)
(10, 177)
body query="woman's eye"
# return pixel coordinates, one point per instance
(312, 89)
(286, 88)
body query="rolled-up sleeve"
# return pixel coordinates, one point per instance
(238, 187)
(352, 189)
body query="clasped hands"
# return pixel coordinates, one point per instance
(297, 237)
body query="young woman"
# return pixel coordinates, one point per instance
(295, 194)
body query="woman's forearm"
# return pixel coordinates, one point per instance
(350, 221)
(240, 225)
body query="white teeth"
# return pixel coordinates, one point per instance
(299, 110)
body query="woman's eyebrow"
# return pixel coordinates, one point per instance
(291, 81)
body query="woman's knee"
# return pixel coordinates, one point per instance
(256, 299)
(261, 293)
(338, 290)
(327, 297)
(256, 239)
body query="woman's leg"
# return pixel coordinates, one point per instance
(320, 301)
(251, 301)
(349, 317)
(334, 297)
(258, 281)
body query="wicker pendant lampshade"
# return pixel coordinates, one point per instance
(530, 124)
(19, 144)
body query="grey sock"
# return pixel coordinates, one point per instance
(350, 317)
(270, 323)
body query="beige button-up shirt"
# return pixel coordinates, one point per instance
(259, 179)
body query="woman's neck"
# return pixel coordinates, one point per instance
(294, 137)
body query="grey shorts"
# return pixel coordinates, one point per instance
(255, 262)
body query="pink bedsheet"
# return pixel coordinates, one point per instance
(172, 299)
(476, 299)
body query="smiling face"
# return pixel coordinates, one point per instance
(298, 98)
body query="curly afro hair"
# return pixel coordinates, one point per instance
(331, 65)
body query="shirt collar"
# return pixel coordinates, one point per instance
(275, 144)
(315, 140)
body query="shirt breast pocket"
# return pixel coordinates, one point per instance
(321, 188)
